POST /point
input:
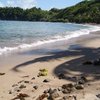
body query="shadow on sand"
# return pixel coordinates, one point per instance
(73, 67)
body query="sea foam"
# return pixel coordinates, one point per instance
(69, 35)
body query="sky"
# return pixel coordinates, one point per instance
(44, 4)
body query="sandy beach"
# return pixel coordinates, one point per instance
(22, 69)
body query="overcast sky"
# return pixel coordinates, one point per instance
(44, 4)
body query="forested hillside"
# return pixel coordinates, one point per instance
(87, 11)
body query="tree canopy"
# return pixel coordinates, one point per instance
(87, 11)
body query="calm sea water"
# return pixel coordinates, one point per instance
(19, 35)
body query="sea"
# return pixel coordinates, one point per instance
(22, 35)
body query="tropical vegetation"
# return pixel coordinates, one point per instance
(87, 11)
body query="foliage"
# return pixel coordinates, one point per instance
(87, 11)
(43, 72)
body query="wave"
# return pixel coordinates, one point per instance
(69, 35)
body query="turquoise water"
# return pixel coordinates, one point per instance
(20, 34)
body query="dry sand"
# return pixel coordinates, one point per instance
(18, 69)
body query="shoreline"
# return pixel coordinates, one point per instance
(53, 22)
(67, 60)
(56, 40)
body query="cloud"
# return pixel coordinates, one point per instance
(19, 3)
(1, 4)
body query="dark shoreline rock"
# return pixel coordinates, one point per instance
(96, 62)
(79, 87)
(61, 75)
(35, 87)
(14, 85)
(26, 81)
(82, 80)
(22, 86)
(2, 74)
(53, 94)
(67, 88)
(87, 63)
(42, 97)
(21, 96)
(46, 80)
(33, 78)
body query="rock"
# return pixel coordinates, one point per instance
(82, 80)
(46, 91)
(10, 92)
(59, 89)
(20, 81)
(2, 74)
(67, 88)
(65, 98)
(21, 96)
(33, 78)
(47, 80)
(79, 86)
(87, 63)
(42, 97)
(50, 91)
(61, 76)
(16, 89)
(97, 62)
(14, 85)
(65, 91)
(54, 94)
(98, 95)
(35, 87)
(22, 86)
(26, 81)
(38, 75)
(69, 98)
(25, 76)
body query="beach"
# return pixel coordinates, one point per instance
(23, 68)
(49, 50)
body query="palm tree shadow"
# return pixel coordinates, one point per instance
(73, 67)
(52, 56)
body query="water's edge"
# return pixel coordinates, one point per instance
(74, 34)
